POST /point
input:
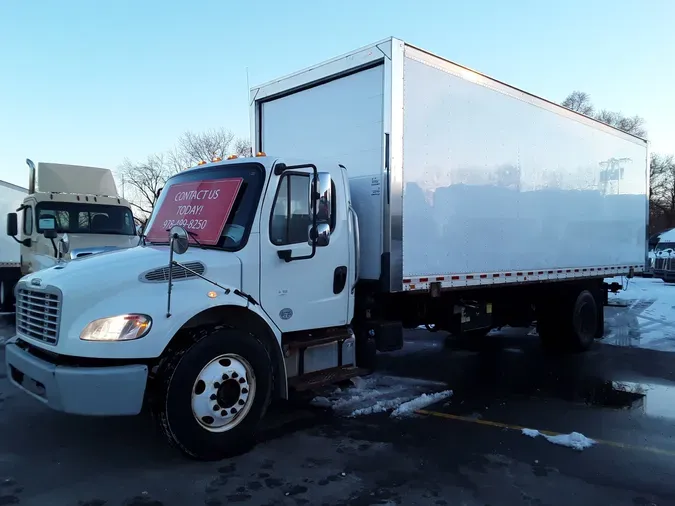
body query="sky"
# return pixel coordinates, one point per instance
(94, 82)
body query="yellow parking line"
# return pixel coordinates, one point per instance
(509, 426)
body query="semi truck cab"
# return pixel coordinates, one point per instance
(247, 270)
(81, 202)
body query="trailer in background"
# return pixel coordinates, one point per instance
(11, 198)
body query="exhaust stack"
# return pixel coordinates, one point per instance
(31, 176)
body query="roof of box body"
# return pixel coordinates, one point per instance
(372, 54)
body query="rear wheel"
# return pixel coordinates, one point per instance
(212, 395)
(569, 322)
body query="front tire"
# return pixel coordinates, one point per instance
(212, 394)
(7, 295)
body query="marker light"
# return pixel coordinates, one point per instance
(232, 157)
(202, 162)
(216, 159)
(212, 295)
(260, 153)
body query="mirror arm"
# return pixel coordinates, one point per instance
(56, 250)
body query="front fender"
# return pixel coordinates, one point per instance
(188, 298)
(224, 301)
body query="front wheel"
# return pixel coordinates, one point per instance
(212, 395)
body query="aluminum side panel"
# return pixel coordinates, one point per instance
(340, 121)
(495, 183)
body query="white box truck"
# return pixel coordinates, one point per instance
(79, 206)
(11, 198)
(391, 188)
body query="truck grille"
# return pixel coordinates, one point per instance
(162, 274)
(37, 314)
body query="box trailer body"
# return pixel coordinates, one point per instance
(11, 198)
(458, 178)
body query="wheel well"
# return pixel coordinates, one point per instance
(238, 318)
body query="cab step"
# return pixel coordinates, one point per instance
(318, 379)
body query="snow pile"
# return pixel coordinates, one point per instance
(648, 318)
(573, 440)
(381, 393)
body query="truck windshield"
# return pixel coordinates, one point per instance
(665, 245)
(215, 204)
(87, 218)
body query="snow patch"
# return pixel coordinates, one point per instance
(381, 393)
(424, 400)
(645, 317)
(574, 440)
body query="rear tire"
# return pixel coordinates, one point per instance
(570, 321)
(227, 367)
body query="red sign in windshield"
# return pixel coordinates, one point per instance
(201, 207)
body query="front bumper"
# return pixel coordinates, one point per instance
(102, 391)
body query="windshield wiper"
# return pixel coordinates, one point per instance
(194, 235)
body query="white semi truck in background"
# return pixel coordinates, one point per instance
(391, 188)
(73, 207)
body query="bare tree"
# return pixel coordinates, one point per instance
(579, 101)
(242, 147)
(206, 145)
(144, 180)
(662, 192)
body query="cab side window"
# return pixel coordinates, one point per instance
(27, 219)
(291, 216)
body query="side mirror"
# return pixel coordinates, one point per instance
(50, 233)
(179, 240)
(12, 225)
(323, 198)
(319, 235)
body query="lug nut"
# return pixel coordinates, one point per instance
(213, 397)
(223, 412)
(242, 380)
(225, 377)
(235, 375)
(241, 402)
(216, 407)
(216, 385)
(244, 390)
(233, 411)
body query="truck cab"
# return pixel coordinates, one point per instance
(247, 269)
(80, 203)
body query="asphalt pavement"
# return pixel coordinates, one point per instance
(468, 450)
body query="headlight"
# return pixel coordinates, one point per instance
(117, 328)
